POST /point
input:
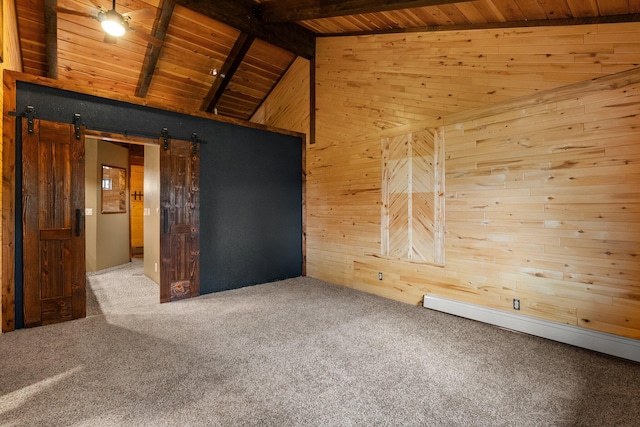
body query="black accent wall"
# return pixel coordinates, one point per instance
(250, 183)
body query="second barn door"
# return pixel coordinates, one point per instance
(179, 220)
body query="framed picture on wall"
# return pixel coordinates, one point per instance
(114, 189)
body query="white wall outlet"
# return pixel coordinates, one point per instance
(88, 211)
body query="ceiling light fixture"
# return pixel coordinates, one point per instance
(113, 23)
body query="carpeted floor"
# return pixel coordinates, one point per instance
(301, 352)
(120, 288)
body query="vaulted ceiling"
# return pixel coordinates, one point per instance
(225, 56)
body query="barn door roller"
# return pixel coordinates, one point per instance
(194, 145)
(29, 113)
(77, 124)
(164, 134)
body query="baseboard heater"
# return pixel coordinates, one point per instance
(614, 345)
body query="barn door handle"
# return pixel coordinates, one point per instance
(166, 220)
(78, 222)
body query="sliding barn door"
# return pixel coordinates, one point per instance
(54, 276)
(180, 220)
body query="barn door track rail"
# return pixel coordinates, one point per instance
(166, 138)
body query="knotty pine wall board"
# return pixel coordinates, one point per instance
(541, 185)
(288, 104)
(599, 284)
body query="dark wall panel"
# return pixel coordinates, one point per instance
(251, 183)
(251, 192)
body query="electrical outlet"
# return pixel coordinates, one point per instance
(516, 304)
(380, 276)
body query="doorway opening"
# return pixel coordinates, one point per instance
(170, 192)
(122, 250)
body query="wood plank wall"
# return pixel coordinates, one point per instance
(11, 60)
(543, 205)
(136, 185)
(523, 216)
(287, 106)
(412, 176)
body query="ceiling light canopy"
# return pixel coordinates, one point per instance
(113, 23)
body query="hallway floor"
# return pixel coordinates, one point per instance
(120, 288)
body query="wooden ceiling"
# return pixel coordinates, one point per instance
(226, 56)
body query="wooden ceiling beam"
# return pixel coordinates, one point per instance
(295, 10)
(235, 58)
(51, 37)
(160, 27)
(245, 16)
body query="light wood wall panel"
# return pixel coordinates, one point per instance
(11, 58)
(288, 104)
(542, 200)
(550, 234)
(137, 206)
(30, 16)
(411, 181)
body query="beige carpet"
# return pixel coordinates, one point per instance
(302, 352)
(120, 288)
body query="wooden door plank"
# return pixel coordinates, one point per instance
(56, 234)
(180, 221)
(56, 310)
(30, 225)
(8, 205)
(78, 252)
(53, 234)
